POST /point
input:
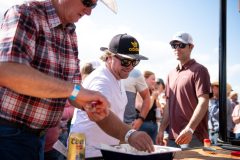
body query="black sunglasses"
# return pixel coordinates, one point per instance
(125, 62)
(180, 45)
(89, 3)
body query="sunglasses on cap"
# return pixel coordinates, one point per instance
(125, 62)
(178, 45)
(89, 3)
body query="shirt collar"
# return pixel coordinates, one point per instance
(54, 20)
(186, 65)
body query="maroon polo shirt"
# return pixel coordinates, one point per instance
(183, 87)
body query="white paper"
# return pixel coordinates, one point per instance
(111, 4)
(60, 148)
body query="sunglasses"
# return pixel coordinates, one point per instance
(179, 45)
(127, 62)
(89, 3)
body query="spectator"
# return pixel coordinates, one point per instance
(135, 83)
(236, 120)
(150, 122)
(233, 96)
(120, 58)
(187, 92)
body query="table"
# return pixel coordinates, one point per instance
(199, 154)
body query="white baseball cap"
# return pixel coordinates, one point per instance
(183, 37)
(111, 4)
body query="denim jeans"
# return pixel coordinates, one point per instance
(151, 128)
(16, 144)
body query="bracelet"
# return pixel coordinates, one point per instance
(191, 130)
(140, 117)
(75, 92)
(128, 134)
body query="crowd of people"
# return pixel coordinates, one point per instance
(45, 95)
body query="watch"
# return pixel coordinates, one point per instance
(140, 117)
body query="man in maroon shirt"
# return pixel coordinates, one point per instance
(187, 91)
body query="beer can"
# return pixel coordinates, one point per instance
(76, 146)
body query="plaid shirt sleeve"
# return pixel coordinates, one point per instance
(18, 37)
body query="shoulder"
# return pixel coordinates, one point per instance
(198, 67)
(135, 73)
(30, 8)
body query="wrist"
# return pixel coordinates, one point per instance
(128, 134)
(75, 92)
(140, 117)
(190, 130)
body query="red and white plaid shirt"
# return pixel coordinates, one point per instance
(32, 34)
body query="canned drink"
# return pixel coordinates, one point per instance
(76, 146)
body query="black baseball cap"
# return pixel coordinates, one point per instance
(125, 46)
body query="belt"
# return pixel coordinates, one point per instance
(23, 127)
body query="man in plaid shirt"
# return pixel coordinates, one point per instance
(39, 70)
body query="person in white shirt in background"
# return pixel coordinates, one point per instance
(120, 58)
(136, 84)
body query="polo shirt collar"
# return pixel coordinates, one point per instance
(186, 65)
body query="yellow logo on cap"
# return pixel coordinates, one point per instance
(135, 47)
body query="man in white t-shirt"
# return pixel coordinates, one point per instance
(135, 83)
(120, 58)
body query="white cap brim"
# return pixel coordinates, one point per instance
(111, 4)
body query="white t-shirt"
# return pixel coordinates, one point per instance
(133, 84)
(101, 80)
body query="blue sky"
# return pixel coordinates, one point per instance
(153, 23)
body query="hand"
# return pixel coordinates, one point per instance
(141, 141)
(160, 138)
(97, 116)
(184, 137)
(136, 124)
(155, 94)
(94, 103)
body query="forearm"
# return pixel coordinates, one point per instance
(236, 119)
(145, 108)
(26, 80)
(113, 126)
(198, 113)
(165, 119)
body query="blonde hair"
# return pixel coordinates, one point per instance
(105, 55)
(147, 74)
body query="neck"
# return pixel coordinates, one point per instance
(59, 7)
(113, 73)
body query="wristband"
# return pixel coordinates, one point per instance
(128, 134)
(191, 130)
(75, 92)
(140, 117)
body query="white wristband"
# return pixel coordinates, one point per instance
(128, 134)
(75, 92)
(191, 130)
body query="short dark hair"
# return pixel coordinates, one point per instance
(160, 81)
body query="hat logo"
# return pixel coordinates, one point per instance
(134, 47)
